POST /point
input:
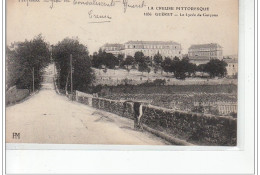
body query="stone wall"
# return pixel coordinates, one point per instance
(195, 128)
(120, 108)
(84, 98)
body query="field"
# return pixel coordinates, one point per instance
(121, 76)
(183, 102)
(183, 95)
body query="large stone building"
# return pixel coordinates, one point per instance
(232, 67)
(151, 48)
(202, 53)
(115, 49)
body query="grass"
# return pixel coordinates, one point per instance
(117, 76)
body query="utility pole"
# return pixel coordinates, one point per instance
(33, 78)
(71, 85)
(53, 61)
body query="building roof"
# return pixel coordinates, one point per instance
(153, 42)
(230, 60)
(231, 56)
(199, 58)
(113, 45)
(210, 45)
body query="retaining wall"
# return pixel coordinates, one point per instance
(194, 128)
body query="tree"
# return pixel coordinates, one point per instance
(110, 60)
(155, 69)
(186, 58)
(104, 59)
(191, 69)
(158, 59)
(13, 68)
(201, 68)
(148, 60)
(31, 57)
(142, 67)
(148, 70)
(175, 65)
(180, 68)
(129, 61)
(98, 59)
(166, 64)
(120, 58)
(139, 57)
(83, 75)
(188, 67)
(176, 59)
(216, 67)
(158, 62)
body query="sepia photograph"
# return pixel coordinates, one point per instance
(121, 72)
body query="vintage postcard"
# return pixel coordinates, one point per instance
(122, 72)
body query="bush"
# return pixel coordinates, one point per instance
(159, 82)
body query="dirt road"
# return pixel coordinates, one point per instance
(47, 117)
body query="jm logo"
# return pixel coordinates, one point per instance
(16, 135)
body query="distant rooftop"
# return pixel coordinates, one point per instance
(113, 45)
(230, 60)
(152, 42)
(231, 56)
(210, 45)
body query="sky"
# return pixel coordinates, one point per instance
(66, 19)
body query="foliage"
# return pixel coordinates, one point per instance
(142, 66)
(166, 64)
(159, 82)
(215, 68)
(158, 59)
(139, 57)
(83, 75)
(201, 68)
(128, 61)
(106, 59)
(20, 63)
(180, 68)
(120, 59)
